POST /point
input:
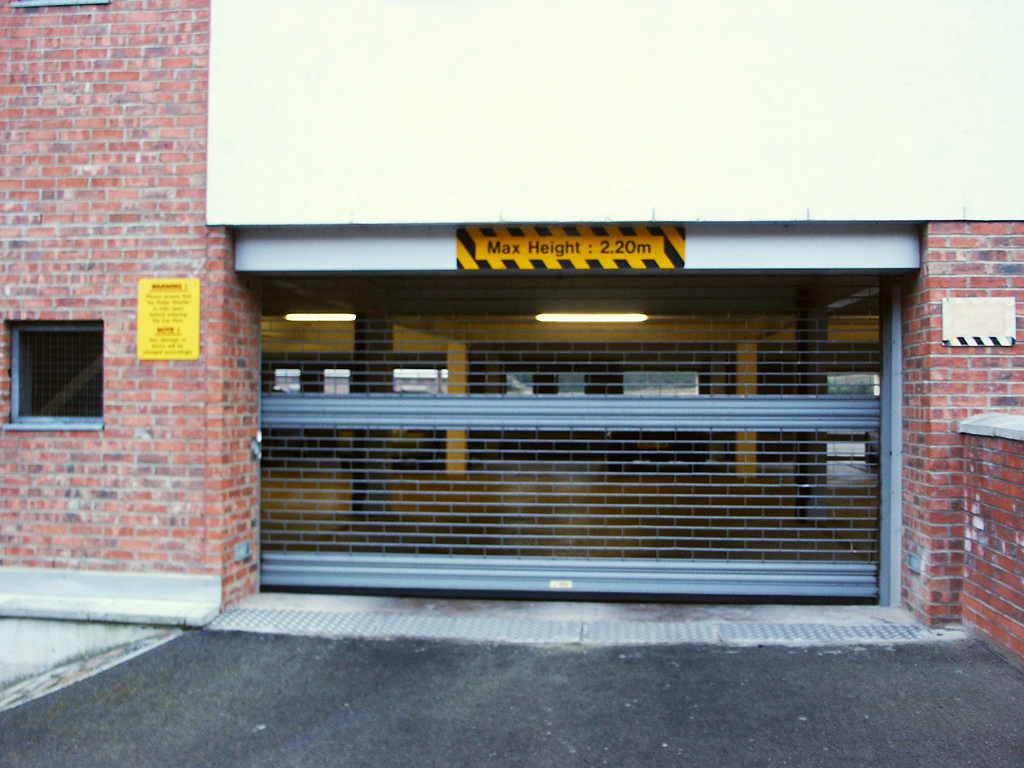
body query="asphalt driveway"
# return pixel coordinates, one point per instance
(241, 699)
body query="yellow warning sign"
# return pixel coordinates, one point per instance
(572, 247)
(168, 327)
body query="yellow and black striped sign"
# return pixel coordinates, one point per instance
(572, 247)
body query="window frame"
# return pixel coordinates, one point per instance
(47, 3)
(39, 423)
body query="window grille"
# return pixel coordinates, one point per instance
(57, 374)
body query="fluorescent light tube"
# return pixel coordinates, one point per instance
(591, 318)
(320, 317)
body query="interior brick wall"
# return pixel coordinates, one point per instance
(993, 597)
(103, 112)
(943, 385)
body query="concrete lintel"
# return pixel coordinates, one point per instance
(119, 597)
(1003, 425)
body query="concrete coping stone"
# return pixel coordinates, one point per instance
(121, 597)
(1004, 425)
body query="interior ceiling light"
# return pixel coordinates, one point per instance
(320, 317)
(591, 318)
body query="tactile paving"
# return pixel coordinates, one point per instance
(489, 629)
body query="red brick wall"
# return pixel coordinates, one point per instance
(943, 385)
(993, 596)
(103, 119)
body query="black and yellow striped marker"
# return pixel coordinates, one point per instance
(576, 247)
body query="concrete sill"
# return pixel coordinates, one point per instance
(121, 598)
(110, 610)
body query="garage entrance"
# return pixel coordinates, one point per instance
(439, 436)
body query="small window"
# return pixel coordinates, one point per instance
(660, 383)
(57, 375)
(519, 384)
(423, 381)
(288, 380)
(572, 383)
(337, 381)
(854, 384)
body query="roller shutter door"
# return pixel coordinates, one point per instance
(695, 453)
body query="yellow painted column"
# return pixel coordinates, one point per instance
(746, 384)
(456, 441)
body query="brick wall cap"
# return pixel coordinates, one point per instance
(1004, 425)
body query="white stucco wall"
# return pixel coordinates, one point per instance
(420, 111)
